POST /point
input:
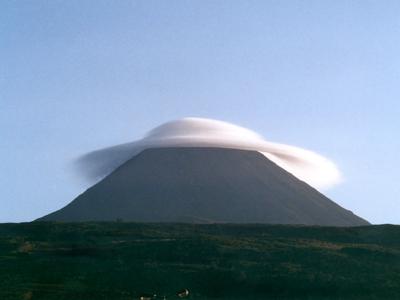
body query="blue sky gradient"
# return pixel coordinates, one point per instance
(81, 75)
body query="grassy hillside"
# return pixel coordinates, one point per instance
(85, 261)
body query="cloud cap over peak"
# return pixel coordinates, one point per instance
(306, 165)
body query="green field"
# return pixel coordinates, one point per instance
(117, 260)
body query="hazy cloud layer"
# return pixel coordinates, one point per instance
(306, 165)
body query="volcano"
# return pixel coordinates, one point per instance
(204, 185)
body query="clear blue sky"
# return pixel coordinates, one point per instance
(79, 75)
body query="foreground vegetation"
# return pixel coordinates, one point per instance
(85, 261)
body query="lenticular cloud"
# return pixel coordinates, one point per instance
(306, 165)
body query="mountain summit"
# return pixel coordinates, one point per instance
(204, 185)
(310, 167)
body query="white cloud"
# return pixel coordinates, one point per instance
(306, 165)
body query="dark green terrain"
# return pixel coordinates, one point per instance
(85, 261)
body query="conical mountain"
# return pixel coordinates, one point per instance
(204, 185)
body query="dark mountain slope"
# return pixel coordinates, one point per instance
(204, 185)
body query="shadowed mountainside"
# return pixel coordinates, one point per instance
(204, 185)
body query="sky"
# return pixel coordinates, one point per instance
(81, 75)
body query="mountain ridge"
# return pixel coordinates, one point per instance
(192, 184)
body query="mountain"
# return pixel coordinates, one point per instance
(204, 185)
